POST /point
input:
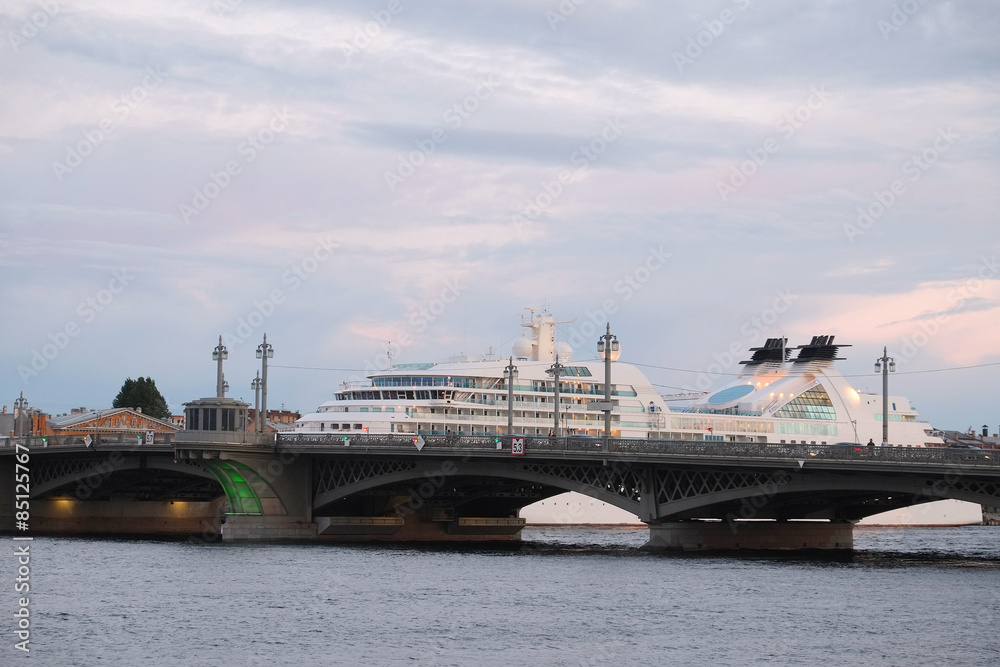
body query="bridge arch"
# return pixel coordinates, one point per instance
(788, 494)
(49, 476)
(616, 485)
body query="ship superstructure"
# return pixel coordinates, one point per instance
(783, 394)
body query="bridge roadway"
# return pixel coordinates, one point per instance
(692, 494)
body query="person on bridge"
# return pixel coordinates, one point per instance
(871, 445)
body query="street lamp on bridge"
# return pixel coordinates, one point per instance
(218, 355)
(510, 374)
(264, 352)
(555, 371)
(255, 385)
(885, 364)
(610, 350)
(20, 405)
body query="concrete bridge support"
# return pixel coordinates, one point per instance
(267, 496)
(124, 517)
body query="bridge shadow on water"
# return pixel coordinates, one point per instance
(875, 547)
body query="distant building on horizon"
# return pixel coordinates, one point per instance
(277, 420)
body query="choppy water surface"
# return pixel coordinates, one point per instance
(578, 596)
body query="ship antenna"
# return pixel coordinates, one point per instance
(388, 354)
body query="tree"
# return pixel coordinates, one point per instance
(142, 393)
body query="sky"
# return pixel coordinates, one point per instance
(359, 177)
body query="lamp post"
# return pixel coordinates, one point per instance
(255, 385)
(556, 370)
(264, 352)
(610, 350)
(885, 364)
(510, 374)
(20, 405)
(218, 355)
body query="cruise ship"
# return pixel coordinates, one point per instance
(783, 395)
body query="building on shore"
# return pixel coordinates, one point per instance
(126, 422)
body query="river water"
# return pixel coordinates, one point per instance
(565, 596)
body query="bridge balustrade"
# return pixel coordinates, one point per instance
(105, 440)
(591, 445)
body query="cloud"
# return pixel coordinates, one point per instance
(359, 105)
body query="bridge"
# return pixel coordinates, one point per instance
(694, 495)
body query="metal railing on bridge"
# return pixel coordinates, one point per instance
(622, 448)
(96, 440)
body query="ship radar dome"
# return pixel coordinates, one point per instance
(522, 348)
(564, 350)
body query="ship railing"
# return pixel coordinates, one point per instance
(726, 412)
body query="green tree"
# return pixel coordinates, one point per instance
(142, 393)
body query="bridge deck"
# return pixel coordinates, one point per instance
(642, 450)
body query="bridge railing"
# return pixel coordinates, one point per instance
(588, 445)
(102, 440)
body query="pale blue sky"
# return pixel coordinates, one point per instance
(169, 170)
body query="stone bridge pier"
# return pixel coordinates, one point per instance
(267, 496)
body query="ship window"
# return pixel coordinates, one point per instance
(811, 404)
(346, 427)
(334, 427)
